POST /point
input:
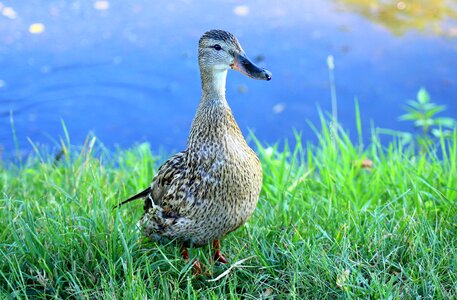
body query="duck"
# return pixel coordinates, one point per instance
(211, 188)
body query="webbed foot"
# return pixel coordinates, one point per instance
(196, 265)
(218, 257)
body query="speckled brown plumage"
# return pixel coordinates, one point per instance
(211, 188)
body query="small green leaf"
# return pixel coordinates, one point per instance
(433, 111)
(407, 117)
(414, 104)
(428, 106)
(440, 133)
(423, 122)
(423, 96)
(446, 122)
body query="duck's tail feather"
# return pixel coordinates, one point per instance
(137, 196)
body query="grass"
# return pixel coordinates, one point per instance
(325, 227)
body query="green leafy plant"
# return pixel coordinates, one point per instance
(423, 113)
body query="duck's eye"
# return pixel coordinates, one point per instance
(217, 47)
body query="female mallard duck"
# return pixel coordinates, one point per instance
(211, 188)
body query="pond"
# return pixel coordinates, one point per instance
(127, 70)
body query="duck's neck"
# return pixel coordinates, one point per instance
(213, 84)
(214, 118)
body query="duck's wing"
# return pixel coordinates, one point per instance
(171, 169)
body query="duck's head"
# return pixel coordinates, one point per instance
(220, 50)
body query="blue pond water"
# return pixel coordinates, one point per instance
(127, 70)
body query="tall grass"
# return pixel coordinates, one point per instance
(327, 226)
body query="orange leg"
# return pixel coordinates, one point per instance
(185, 255)
(218, 255)
(197, 268)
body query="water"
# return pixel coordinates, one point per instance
(127, 70)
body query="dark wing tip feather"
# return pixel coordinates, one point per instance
(137, 196)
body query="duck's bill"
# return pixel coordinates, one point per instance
(245, 66)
